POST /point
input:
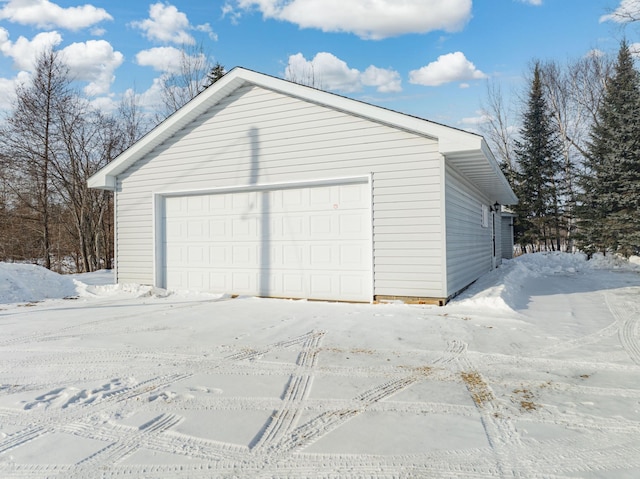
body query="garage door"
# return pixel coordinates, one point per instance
(311, 242)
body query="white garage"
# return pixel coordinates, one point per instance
(311, 241)
(261, 186)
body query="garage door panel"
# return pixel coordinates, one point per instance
(291, 227)
(218, 203)
(321, 285)
(218, 228)
(353, 226)
(321, 226)
(353, 256)
(350, 285)
(243, 229)
(321, 256)
(352, 196)
(312, 242)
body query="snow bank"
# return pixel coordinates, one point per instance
(24, 283)
(499, 290)
(503, 288)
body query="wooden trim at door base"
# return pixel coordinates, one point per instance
(381, 298)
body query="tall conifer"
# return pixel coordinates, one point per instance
(537, 154)
(610, 207)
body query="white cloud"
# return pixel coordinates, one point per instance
(167, 59)
(595, 53)
(627, 11)
(369, 19)
(46, 14)
(95, 62)
(206, 28)
(324, 71)
(24, 51)
(482, 118)
(151, 100)
(169, 25)
(537, 3)
(447, 68)
(7, 93)
(328, 72)
(385, 80)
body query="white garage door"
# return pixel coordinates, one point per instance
(311, 242)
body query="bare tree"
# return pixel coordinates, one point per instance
(191, 78)
(31, 143)
(586, 81)
(51, 143)
(304, 75)
(628, 11)
(132, 121)
(573, 93)
(499, 127)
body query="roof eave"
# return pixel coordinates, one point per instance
(454, 144)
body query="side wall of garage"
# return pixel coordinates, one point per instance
(259, 137)
(469, 232)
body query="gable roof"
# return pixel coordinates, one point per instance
(468, 152)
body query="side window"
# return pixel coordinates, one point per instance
(485, 216)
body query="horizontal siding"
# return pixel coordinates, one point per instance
(507, 237)
(468, 242)
(498, 233)
(256, 136)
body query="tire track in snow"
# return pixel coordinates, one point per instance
(253, 354)
(454, 349)
(593, 338)
(323, 424)
(42, 423)
(286, 418)
(628, 316)
(55, 334)
(501, 433)
(125, 446)
(577, 455)
(51, 421)
(331, 420)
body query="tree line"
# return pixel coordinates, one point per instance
(574, 162)
(52, 140)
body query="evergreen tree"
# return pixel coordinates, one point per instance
(610, 207)
(216, 72)
(538, 161)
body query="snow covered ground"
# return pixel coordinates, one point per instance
(532, 372)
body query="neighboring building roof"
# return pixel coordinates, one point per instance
(468, 152)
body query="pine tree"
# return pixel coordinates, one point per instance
(610, 206)
(216, 72)
(537, 155)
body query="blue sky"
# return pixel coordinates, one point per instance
(429, 58)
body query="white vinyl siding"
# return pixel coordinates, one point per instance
(469, 243)
(258, 137)
(498, 237)
(507, 236)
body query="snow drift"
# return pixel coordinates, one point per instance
(497, 290)
(24, 283)
(501, 289)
